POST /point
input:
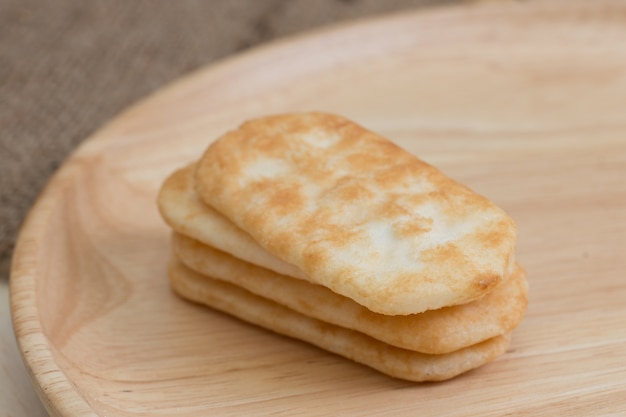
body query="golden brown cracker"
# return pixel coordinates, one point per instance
(356, 213)
(181, 208)
(393, 361)
(435, 331)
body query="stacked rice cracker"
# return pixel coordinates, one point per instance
(316, 228)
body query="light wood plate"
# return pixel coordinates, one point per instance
(524, 102)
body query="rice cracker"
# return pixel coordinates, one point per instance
(183, 211)
(435, 332)
(356, 213)
(393, 361)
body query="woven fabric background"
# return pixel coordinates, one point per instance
(68, 66)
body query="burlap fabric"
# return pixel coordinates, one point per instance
(68, 66)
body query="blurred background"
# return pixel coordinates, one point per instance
(68, 66)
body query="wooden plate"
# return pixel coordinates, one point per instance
(524, 102)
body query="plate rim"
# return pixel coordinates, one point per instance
(59, 396)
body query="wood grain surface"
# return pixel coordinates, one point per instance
(523, 102)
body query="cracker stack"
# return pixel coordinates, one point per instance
(315, 228)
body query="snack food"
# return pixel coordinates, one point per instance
(356, 213)
(316, 228)
(393, 361)
(437, 331)
(181, 208)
